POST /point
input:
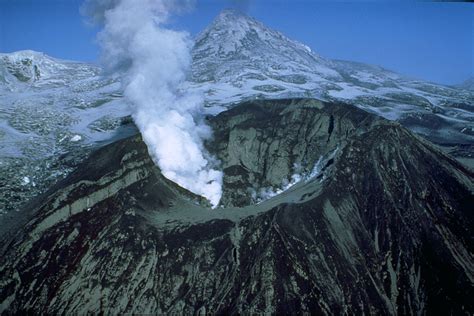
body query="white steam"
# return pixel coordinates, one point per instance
(153, 62)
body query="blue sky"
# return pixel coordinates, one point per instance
(428, 40)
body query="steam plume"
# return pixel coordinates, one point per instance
(153, 62)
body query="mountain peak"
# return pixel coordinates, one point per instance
(240, 44)
(232, 14)
(230, 28)
(230, 17)
(234, 33)
(238, 23)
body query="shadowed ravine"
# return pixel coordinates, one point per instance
(381, 226)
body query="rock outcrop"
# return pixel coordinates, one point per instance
(380, 222)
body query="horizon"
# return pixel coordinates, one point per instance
(406, 38)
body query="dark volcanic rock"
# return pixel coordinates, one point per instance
(384, 227)
(261, 145)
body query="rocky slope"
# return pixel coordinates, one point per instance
(378, 222)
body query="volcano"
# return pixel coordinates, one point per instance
(326, 209)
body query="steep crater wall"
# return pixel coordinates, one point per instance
(265, 145)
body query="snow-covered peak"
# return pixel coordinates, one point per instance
(233, 32)
(235, 45)
(38, 69)
(231, 17)
(235, 27)
(227, 33)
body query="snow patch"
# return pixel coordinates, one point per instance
(76, 138)
(25, 181)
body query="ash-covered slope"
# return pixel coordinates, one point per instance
(383, 226)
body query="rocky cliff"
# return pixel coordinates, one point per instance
(358, 216)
